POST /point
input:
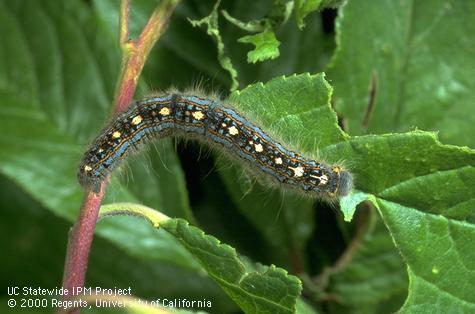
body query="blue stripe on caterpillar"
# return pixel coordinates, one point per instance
(175, 114)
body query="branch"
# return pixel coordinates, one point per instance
(134, 55)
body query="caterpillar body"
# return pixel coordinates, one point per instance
(175, 114)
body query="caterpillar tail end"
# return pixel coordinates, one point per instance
(88, 183)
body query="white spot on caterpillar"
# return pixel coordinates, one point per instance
(198, 115)
(116, 134)
(323, 179)
(136, 120)
(165, 111)
(298, 171)
(267, 152)
(233, 130)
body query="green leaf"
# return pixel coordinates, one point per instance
(423, 189)
(157, 179)
(304, 308)
(48, 109)
(265, 41)
(416, 58)
(251, 26)
(268, 289)
(419, 160)
(305, 7)
(24, 229)
(211, 22)
(370, 276)
(439, 256)
(277, 16)
(30, 232)
(349, 202)
(392, 167)
(266, 46)
(272, 105)
(426, 181)
(183, 50)
(307, 50)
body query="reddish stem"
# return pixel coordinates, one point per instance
(135, 53)
(80, 240)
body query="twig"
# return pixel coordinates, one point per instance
(134, 55)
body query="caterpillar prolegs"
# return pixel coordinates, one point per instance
(174, 114)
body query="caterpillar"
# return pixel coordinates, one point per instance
(206, 118)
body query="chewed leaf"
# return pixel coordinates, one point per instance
(305, 7)
(269, 289)
(295, 108)
(211, 23)
(266, 46)
(349, 202)
(409, 175)
(265, 41)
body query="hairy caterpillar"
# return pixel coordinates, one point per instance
(175, 113)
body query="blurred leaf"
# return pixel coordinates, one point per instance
(370, 276)
(182, 49)
(24, 229)
(186, 51)
(277, 15)
(417, 57)
(303, 308)
(40, 153)
(29, 233)
(305, 7)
